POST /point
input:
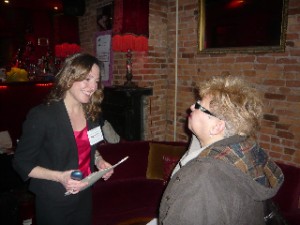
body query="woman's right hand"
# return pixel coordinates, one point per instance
(72, 186)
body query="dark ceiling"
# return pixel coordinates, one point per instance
(35, 4)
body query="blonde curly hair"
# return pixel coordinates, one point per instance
(236, 102)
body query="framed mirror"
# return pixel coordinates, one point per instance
(242, 26)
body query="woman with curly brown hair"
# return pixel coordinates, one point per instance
(228, 177)
(59, 137)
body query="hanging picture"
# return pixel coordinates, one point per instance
(105, 16)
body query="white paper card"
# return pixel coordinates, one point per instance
(92, 178)
(153, 222)
(95, 135)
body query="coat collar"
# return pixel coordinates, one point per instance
(247, 156)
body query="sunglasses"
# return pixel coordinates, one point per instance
(200, 107)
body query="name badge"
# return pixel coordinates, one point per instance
(95, 135)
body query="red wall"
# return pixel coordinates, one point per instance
(16, 99)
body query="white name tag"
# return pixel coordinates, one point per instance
(95, 135)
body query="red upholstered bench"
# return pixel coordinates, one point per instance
(131, 192)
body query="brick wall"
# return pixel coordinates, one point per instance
(277, 75)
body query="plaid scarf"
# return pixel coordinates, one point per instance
(246, 155)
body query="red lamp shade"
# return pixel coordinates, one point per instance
(131, 25)
(64, 50)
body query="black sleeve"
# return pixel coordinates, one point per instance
(101, 120)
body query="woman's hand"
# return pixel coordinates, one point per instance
(102, 165)
(72, 186)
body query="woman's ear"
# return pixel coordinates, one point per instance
(218, 128)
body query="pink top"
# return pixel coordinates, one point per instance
(84, 151)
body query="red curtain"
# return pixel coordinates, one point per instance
(131, 25)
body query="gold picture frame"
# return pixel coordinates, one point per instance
(221, 30)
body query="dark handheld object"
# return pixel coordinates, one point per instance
(77, 175)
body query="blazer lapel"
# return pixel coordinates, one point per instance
(65, 123)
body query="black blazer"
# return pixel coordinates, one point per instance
(48, 141)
